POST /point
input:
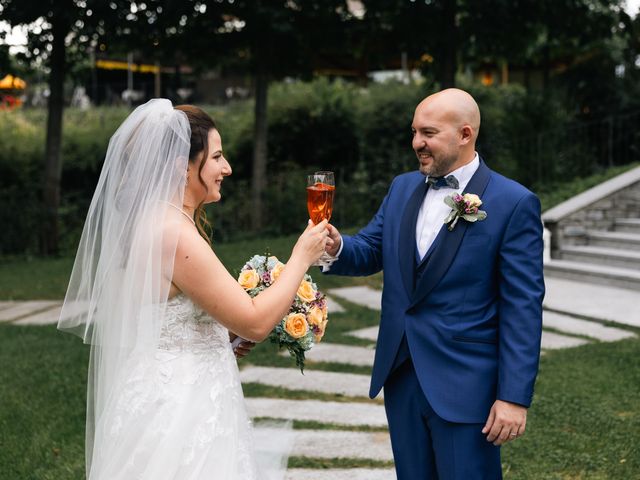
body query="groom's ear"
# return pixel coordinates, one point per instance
(466, 134)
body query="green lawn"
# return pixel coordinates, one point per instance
(584, 422)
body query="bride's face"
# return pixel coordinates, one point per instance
(213, 172)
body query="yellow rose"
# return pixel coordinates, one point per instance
(473, 199)
(248, 279)
(325, 312)
(295, 325)
(277, 270)
(320, 333)
(315, 316)
(306, 293)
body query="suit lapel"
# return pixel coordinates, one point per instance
(407, 240)
(444, 248)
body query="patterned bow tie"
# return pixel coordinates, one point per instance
(443, 182)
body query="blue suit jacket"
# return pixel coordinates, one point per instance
(473, 319)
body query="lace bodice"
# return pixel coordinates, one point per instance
(179, 412)
(189, 328)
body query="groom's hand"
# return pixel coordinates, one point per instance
(335, 240)
(241, 349)
(506, 422)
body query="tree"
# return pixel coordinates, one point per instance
(61, 33)
(60, 16)
(269, 40)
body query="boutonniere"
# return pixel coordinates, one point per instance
(463, 206)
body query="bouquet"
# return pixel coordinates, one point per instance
(305, 323)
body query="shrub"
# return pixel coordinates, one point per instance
(363, 134)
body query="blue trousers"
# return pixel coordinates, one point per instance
(427, 447)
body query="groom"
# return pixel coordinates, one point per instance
(459, 338)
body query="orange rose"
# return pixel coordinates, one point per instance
(277, 270)
(295, 324)
(315, 316)
(306, 293)
(322, 329)
(248, 279)
(325, 312)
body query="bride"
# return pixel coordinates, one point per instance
(158, 308)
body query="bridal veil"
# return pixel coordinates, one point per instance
(123, 268)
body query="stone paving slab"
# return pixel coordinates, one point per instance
(342, 444)
(22, 309)
(551, 341)
(6, 304)
(595, 330)
(333, 306)
(362, 295)
(47, 317)
(596, 301)
(349, 384)
(333, 352)
(354, 413)
(341, 474)
(369, 333)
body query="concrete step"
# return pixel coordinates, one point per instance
(342, 444)
(617, 305)
(329, 443)
(553, 341)
(595, 274)
(22, 309)
(577, 326)
(612, 257)
(346, 384)
(629, 225)
(622, 241)
(341, 474)
(336, 353)
(361, 295)
(356, 414)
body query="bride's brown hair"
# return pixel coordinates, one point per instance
(201, 123)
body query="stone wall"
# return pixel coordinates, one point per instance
(595, 209)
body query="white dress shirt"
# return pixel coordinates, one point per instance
(434, 211)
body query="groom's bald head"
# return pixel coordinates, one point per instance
(455, 106)
(445, 128)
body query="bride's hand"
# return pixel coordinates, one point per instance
(312, 243)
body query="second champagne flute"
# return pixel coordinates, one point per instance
(320, 192)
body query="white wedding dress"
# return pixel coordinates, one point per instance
(179, 413)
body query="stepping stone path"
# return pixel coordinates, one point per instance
(347, 384)
(587, 328)
(12, 311)
(593, 301)
(342, 474)
(363, 296)
(565, 300)
(336, 353)
(354, 414)
(567, 296)
(342, 444)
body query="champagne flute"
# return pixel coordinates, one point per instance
(320, 192)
